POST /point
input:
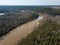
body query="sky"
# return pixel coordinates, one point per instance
(29, 2)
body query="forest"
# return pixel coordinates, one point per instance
(13, 19)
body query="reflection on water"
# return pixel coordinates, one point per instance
(40, 17)
(1, 13)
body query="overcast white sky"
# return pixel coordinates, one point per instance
(29, 2)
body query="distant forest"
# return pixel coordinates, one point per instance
(41, 9)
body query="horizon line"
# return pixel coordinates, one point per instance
(29, 5)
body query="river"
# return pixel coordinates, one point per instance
(19, 32)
